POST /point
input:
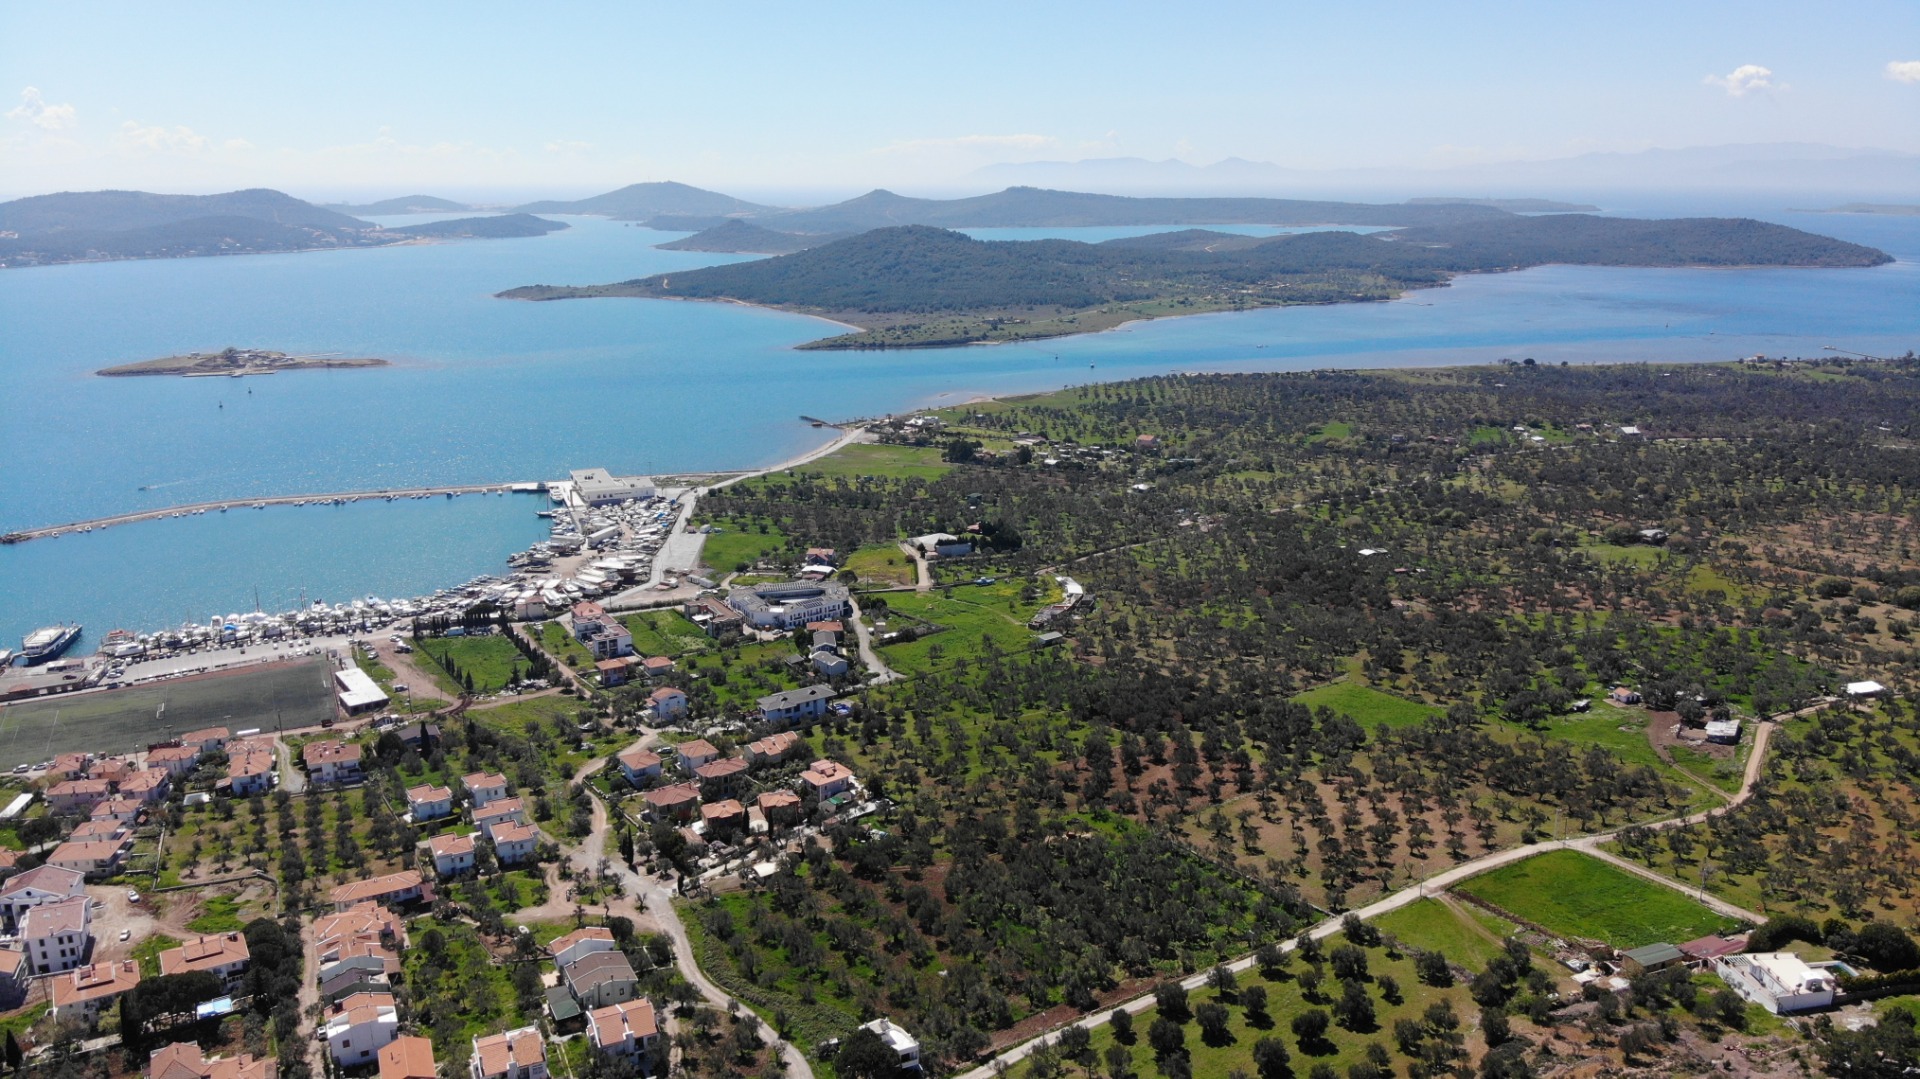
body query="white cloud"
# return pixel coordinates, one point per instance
(34, 110)
(1744, 80)
(1903, 70)
(160, 139)
(236, 145)
(969, 142)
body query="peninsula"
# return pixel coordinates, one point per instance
(234, 362)
(922, 287)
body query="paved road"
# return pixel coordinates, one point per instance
(680, 554)
(882, 674)
(1441, 882)
(657, 899)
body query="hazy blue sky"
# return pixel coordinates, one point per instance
(554, 97)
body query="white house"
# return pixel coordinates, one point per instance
(57, 935)
(517, 1054)
(514, 843)
(360, 1027)
(332, 761)
(222, 954)
(827, 778)
(85, 992)
(451, 854)
(484, 787)
(38, 887)
(600, 979)
(429, 801)
(1777, 981)
(505, 811)
(638, 764)
(667, 703)
(796, 705)
(626, 1030)
(904, 1045)
(1865, 689)
(580, 943)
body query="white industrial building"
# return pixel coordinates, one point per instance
(1780, 982)
(598, 487)
(358, 692)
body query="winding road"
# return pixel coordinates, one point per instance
(656, 899)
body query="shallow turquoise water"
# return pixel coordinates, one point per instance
(488, 390)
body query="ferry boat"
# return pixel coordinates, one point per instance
(47, 642)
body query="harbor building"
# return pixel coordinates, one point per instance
(598, 487)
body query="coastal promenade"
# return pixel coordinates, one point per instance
(23, 534)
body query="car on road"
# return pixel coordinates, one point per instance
(126, 934)
(133, 897)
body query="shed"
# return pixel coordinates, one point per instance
(1652, 957)
(564, 1009)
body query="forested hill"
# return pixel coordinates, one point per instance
(1614, 241)
(504, 226)
(638, 202)
(738, 236)
(891, 280)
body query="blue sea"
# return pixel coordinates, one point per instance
(487, 390)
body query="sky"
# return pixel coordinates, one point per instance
(349, 99)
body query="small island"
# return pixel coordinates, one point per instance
(235, 363)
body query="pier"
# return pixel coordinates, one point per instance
(24, 534)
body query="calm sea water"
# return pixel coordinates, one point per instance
(487, 390)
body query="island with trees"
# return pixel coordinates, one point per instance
(919, 286)
(236, 362)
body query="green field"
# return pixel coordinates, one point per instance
(1571, 893)
(891, 462)
(1367, 706)
(725, 552)
(881, 563)
(972, 615)
(295, 694)
(665, 633)
(490, 661)
(1463, 934)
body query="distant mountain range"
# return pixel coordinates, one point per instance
(1749, 166)
(89, 225)
(916, 286)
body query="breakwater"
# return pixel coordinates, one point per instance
(194, 509)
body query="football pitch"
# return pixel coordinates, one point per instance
(297, 694)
